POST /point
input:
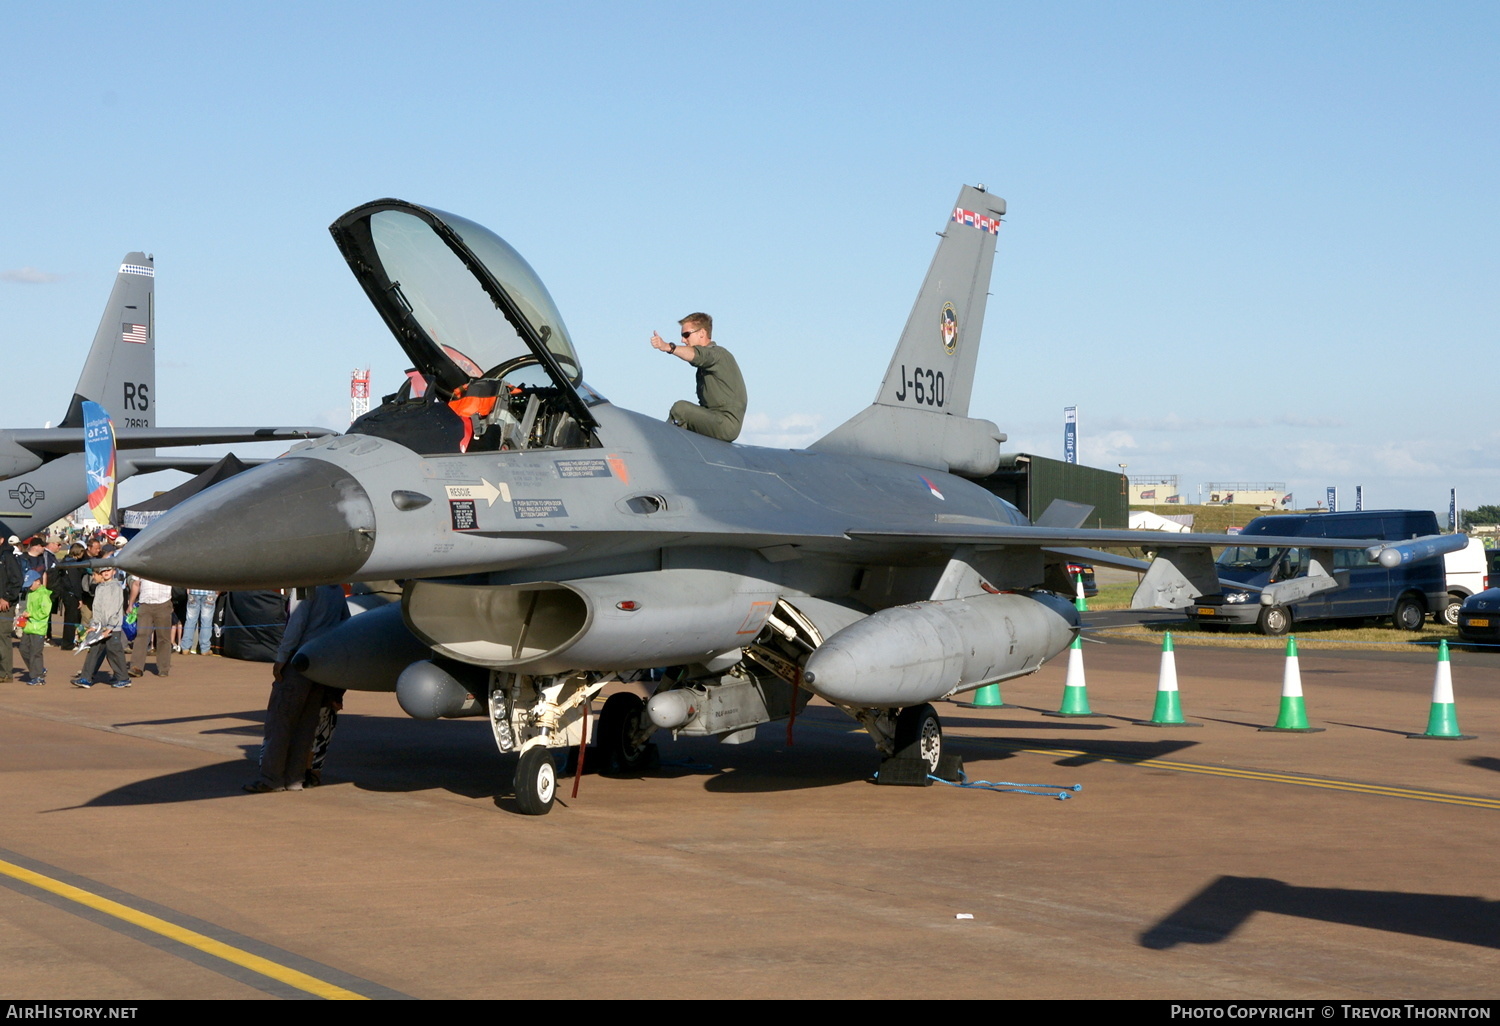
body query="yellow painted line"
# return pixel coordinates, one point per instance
(1381, 790)
(1354, 787)
(182, 935)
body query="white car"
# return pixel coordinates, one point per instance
(1468, 574)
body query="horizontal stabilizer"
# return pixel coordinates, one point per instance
(57, 441)
(186, 464)
(1063, 513)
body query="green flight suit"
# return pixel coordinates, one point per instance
(720, 410)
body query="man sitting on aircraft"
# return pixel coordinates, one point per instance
(720, 409)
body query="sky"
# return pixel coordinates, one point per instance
(1249, 241)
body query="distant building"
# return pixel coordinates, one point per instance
(1260, 494)
(1154, 489)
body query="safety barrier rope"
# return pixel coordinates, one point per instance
(1058, 791)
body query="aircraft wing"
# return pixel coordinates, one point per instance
(1000, 535)
(1183, 568)
(58, 441)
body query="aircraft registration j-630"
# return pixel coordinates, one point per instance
(550, 541)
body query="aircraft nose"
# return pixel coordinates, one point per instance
(294, 522)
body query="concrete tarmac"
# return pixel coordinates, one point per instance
(1204, 862)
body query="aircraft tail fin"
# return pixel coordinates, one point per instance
(920, 415)
(120, 371)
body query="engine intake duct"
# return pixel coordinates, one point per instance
(601, 623)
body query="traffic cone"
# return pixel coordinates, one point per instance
(1075, 701)
(1168, 711)
(1442, 721)
(1293, 716)
(1080, 601)
(987, 697)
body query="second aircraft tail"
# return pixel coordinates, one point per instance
(120, 371)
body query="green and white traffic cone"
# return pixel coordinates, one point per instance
(987, 697)
(1080, 601)
(1168, 711)
(1442, 721)
(1075, 701)
(1293, 716)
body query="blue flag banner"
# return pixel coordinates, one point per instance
(99, 460)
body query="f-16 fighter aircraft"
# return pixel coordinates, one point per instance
(550, 540)
(42, 469)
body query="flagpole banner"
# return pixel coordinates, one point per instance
(1070, 434)
(99, 461)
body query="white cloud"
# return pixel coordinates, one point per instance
(790, 431)
(29, 276)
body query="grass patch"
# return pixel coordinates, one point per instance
(1333, 633)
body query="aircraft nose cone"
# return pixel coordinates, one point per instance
(294, 522)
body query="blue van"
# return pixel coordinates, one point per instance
(1406, 594)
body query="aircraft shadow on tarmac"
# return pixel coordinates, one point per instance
(395, 754)
(1221, 908)
(254, 725)
(1485, 762)
(1094, 751)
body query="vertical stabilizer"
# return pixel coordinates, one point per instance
(933, 368)
(921, 413)
(120, 372)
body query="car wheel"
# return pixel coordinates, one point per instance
(919, 735)
(1449, 615)
(1274, 620)
(536, 781)
(1409, 614)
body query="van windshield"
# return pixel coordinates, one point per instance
(1260, 559)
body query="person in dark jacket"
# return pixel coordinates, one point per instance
(69, 594)
(11, 576)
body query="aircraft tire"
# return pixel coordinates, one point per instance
(919, 735)
(536, 781)
(1408, 615)
(1274, 621)
(618, 720)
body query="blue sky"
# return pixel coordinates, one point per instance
(1248, 241)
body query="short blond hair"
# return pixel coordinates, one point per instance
(699, 320)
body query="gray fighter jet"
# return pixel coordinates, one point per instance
(42, 469)
(550, 541)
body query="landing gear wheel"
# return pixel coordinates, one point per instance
(536, 781)
(1449, 616)
(1274, 620)
(1408, 615)
(919, 735)
(619, 721)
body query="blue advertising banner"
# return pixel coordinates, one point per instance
(99, 460)
(1333, 498)
(1070, 434)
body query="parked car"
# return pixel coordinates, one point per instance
(1406, 594)
(1468, 572)
(1479, 617)
(1090, 589)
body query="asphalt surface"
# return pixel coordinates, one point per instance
(1198, 862)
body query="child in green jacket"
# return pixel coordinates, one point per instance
(34, 634)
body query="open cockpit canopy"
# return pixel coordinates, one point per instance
(469, 311)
